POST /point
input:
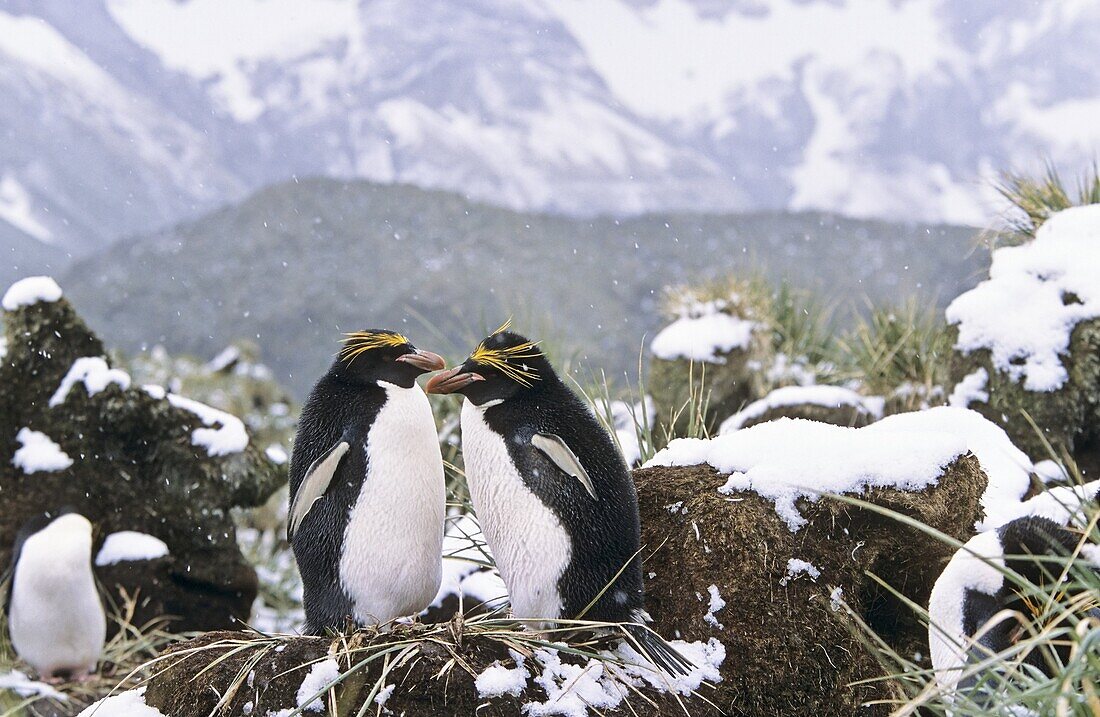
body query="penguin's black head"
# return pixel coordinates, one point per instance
(501, 366)
(381, 355)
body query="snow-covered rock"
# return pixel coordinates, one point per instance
(30, 291)
(856, 408)
(1028, 338)
(224, 432)
(1036, 294)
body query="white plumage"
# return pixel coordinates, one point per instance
(56, 617)
(391, 564)
(529, 543)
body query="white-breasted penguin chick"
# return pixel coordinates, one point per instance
(553, 494)
(367, 497)
(972, 590)
(55, 614)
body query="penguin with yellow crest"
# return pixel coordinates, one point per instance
(552, 492)
(367, 498)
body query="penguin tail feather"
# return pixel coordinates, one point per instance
(654, 648)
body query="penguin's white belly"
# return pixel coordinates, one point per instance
(528, 541)
(56, 621)
(391, 562)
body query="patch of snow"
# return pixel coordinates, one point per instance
(702, 332)
(26, 687)
(1007, 467)
(628, 421)
(792, 459)
(384, 694)
(94, 373)
(496, 679)
(30, 291)
(125, 704)
(1049, 471)
(783, 370)
(1035, 295)
(225, 433)
(16, 209)
(321, 674)
(228, 356)
(276, 454)
(127, 545)
(828, 396)
(155, 391)
(796, 567)
(836, 598)
(1065, 505)
(972, 389)
(38, 453)
(716, 603)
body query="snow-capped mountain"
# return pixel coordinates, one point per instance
(121, 115)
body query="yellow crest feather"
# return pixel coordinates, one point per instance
(357, 342)
(502, 358)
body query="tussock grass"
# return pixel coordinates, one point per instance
(900, 352)
(397, 649)
(1034, 199)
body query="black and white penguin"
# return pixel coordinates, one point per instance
(367, 497)
(55, 614)
(971, 591)
(553, 494)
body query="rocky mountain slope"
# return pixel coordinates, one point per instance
(299, 263)
(124, 115)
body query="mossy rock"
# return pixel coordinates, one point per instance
(134, 468)
(1069, 416)
(790, 651)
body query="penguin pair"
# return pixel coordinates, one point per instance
(54, 611)
(974, 589)
(554, 496)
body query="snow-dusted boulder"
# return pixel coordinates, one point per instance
(1028, 338)
(827, 404)
(743, 548)
(157, 472)
(714, 351)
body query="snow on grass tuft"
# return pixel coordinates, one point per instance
(701, 333)
(39, 453)
(972, 389)
(225, 433)
(1035, 295)
(828, 396)
(30, 291)
(321, 674)
(94, 373)
(276, 454)
(125, 704)
(127, 545)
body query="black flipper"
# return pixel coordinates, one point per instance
(655, 649)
